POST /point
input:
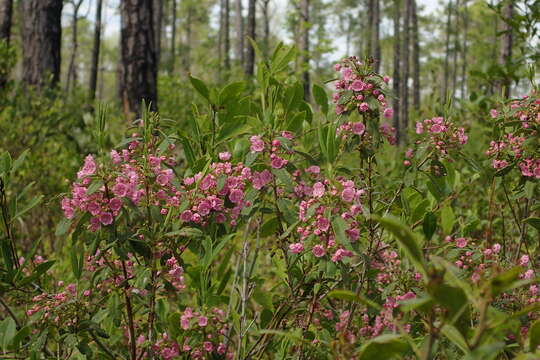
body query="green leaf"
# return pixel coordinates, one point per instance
(534, 222)
(230, 91)
(95, 186)
(339, 226)
(455, 337)
(534, 336)
(200, 86)
(62, 227)
(386, 346)
(20, 336)
(407, 240)
(429, 225)
(350, 296)
(447, 220)
(320, 98)
(506, 280)
(36, 200)
(7, 330)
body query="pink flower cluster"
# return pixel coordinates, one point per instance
(360, 88)
(441, 135)
(519, 145)
(277, 148)
(203, 337)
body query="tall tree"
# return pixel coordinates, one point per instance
(446, 75)
(138, 71)
(250, 53)
(505, 54)
(96, 50)
(266, 26)
(397, 68)
(375, 34)
(72, 75)
(173, 38)
(239, 32)
(157, 13)
(41, 31)
(187, 47)
(6, 14)
(456, 48)
(404, 93)
(227, 34)
(369, 30)
(464, 49)
(304, 47)
(415, 56)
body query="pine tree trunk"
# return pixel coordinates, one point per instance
(138, 72)
(95, 51)
(157, 13)
(239, 33)
(187, 52)
(444, 90)
(397, 67)
(464, 50)
(227, 35)
(369, 35)
(72, 77)
(266, 34)
(505, 55)
(404, 106)
(6, 15)
(376, 44)
(250, 53)
(416, 57)
(41, 31)
(456, 47)
(173, 39)
(304, 16)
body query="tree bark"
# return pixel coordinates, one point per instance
(41, 31)
(6, 15)
(239, 33)
(172, 60)
(376, 44)
(416, 57)
(464, 49)
(505, 55)
(397, 68)
(72, 75)
(95, 51)
(304, 16)
(456, 48)
(157, 12)
(227, 35)
(266, 27)
(369, 35)
(187, 52)
(138, 72)
(446, 75)
(250, 53)
(404, 106)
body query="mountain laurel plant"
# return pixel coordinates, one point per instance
(265, 229)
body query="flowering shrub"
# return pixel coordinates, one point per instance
(273, 231)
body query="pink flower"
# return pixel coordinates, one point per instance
(278, 163)
(340, 109)
(313, 169)
(318, 251)
(358, 128)
(296, 248)
(363, 107)
(496, 248)
(419, 128)
(318, 189)
(461, 242)
(436, 129)
(524, 260)
(257, 144)
(357, 85)
(386, 79)
(409, 153)
(106, 218)
(203, 321)
(347, 73)
(208, 347)
(348, 194)
(186, 216)
(388, 113)
(115, 204)
(224, 156)
(116, 159)
(493, 113)
(236, 196)
(323, 224)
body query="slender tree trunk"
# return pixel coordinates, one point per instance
(505, 55)
(221, 36)
(444, 89)
(369, 36)
(376, 44)
(138, 72)
(456, 48)
(304, 16)
(187, 52)
(173, 39)
(227, 35)
(348, 36)
(95, 51)
(239, 33)
(157, 13)
(6, 15)
(416, 57)
(397, 68)
(41, 31)
(404, 116)
(266, 34)
(464, 49)
(72, 69)
(250, 53)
